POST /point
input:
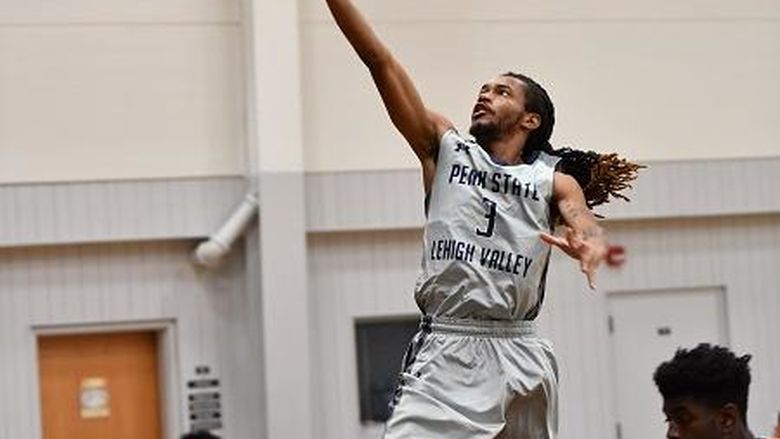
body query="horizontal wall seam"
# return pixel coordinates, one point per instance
(143, 210)
(573, 20)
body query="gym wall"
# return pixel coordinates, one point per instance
(120, 90)
(654, 81)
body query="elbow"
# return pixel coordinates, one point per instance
(373, 62)
(376, 60)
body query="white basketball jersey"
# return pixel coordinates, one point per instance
(483, 257)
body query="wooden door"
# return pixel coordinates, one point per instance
(100, 386)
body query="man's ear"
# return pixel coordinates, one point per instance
(729, 418)
(531, 121)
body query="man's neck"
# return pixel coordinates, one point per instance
(507, 149)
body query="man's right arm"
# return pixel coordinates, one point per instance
(420, 127)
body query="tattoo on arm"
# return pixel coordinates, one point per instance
(593, 232)
(571, 211)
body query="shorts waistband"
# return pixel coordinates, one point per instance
(493, 328)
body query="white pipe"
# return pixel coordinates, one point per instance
(209, 253)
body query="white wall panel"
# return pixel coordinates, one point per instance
(354, 275)
(364, 200)
(394, 199)
(738, 253)
(109, 102)
(649, 82)
(56, 213)
(372, 200)
(93, 285)
(371, 274)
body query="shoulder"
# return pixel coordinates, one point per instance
(451, 138)
(564, 185)
(546, 159)
(441, 125)
(435, 127)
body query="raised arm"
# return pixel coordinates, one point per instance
(420, 127)
(584, 239)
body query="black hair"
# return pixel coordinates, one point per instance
(601, 176)
(711, 375)
(200, 435)
(537, 101)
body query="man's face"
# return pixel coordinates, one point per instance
(688, 419)
(500, 109)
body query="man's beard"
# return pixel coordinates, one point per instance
(485, 132)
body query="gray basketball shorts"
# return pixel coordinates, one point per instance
(476, 379)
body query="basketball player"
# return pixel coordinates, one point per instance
(477, 369)
(777, 428)
(705, 392)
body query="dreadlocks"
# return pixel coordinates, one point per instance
(601, 176)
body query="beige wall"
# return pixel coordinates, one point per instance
(686, 80)
(121, 89)
(124, 90)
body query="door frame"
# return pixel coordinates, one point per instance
(167, 356)
(725, 331)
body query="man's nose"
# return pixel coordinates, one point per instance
(672, 432)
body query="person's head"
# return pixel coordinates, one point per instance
(705, 393)
(199, 435)
(513, 104)
(509, 103)
(777, 427)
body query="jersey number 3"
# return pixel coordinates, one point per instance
(491, 217)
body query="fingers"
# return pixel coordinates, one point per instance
(562, 242)
(589, 265)
(588, 270)
(573, 244)
(570, 241)
(574, 238)
(554, 240)
(591, 275)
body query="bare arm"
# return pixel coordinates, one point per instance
(420, 127)
(584, 239)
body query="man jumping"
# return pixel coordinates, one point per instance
(477, 369)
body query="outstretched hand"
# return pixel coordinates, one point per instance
(589, 250)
